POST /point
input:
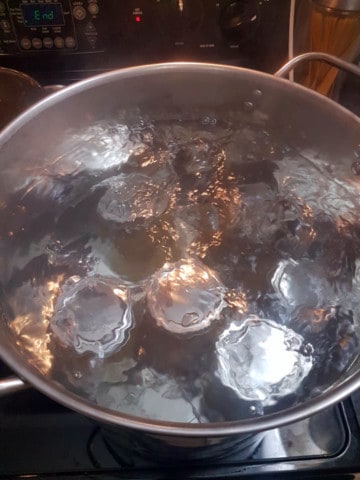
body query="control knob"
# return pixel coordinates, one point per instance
(239, 20)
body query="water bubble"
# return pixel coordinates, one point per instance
(185, 296)
(209, 120)
(248, 107)
(274, 152)
(92, 315)
(257, 92)
(261, 360)
(257, 409)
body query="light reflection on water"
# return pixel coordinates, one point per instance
(220, 260)
(31, 329)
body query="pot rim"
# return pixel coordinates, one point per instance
(58, 393)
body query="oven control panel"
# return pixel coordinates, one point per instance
(104, 34)
(28, 26)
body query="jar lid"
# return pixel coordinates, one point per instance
(345, 5)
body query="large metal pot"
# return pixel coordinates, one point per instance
(300, 117)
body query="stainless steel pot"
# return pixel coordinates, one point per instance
(306, 119)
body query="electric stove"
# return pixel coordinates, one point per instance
(38, 437)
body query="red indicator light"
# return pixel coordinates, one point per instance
(138, 19)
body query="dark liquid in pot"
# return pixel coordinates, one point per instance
(190, 271)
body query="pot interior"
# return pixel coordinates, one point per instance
(181, 244)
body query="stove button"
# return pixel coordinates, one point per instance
(93, 8)
(48, 42)
(79, 13)
(239, 20)
(5, 25)
(70, 42)
(90, 28)
(25, 43)
(59, 42)
(92, 41)
(36, 43)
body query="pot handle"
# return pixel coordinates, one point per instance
(322, 57)
(11, 385)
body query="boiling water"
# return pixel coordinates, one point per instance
(186, 271)
(92, 314)
(185, 296)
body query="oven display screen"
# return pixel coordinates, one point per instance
(42, 14)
